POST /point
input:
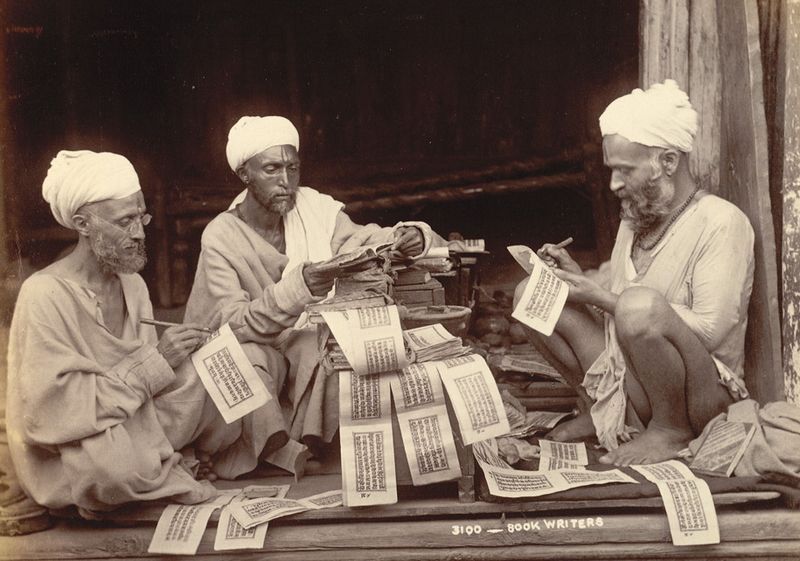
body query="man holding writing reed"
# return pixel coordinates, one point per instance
(98, 405)
(668, 355)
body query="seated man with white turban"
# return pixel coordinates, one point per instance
(669, 353)
(258, 264)
(97, 404)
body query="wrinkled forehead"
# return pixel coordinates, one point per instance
(618, 151)
(117, 208)
(283, 153)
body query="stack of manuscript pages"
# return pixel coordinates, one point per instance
(525, 358)
(372, 341)
(433, 342)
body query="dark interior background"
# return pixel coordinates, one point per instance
(379, 89)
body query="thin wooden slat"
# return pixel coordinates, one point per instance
(463, 193)
(196, 198)
(789, 100)
(422, 506)
(744, 181)
(73, 541)
(751, 551)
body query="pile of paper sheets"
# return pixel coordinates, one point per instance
(433, 342)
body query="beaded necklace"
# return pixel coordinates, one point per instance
(647, 247)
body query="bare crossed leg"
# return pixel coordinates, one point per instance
(573, 347)
(671, 379)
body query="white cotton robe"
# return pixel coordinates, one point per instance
(244, 280)
(83, 426)
(704, 269)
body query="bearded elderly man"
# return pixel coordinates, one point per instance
(97, 404)
(258, 264)
(669, 354)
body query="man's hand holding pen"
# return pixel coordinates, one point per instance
(582, 290)
(557, 257)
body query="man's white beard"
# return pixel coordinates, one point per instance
(646, 206)
(105, 251)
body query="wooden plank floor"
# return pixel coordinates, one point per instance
(430, 523)
(757, 533)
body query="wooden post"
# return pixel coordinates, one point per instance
(680, 41)
(4, 143)
(789, 103)
(705, 92)
(744, 180)
(664, 32)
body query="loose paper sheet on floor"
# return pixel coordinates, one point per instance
(232, 535)
(688, 501)
(180, 527)
(509, 482)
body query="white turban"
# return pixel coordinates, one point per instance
(662, 116)
(76, 178)
(251, 135)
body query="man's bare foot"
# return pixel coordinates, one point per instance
(575, 429)
(656, 444)
(205, 470)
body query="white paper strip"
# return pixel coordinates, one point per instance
(228, 376)
(371, 338)
(253, 512)
(475, 398)
(553, 464)
(424, 424)
(690, 507)
(573, 452)
(365, 433)
(232, 535)
(328, 499)
(180, 529)
(543, 299)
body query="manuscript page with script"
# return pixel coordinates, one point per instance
(543, 299)
(229, 378)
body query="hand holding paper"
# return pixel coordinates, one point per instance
(582, 289)
(318, 278)
(408, 241)
(543, 299)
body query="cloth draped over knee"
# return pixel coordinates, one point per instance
(83, 426)
(704, 269)
(244, 280)
(775, 447)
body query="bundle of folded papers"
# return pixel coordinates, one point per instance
(362, 259)
(433, 342)
(367, 298)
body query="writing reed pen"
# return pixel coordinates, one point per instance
(160, 323)
(565, 243)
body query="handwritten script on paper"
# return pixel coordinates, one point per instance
(229, 378)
